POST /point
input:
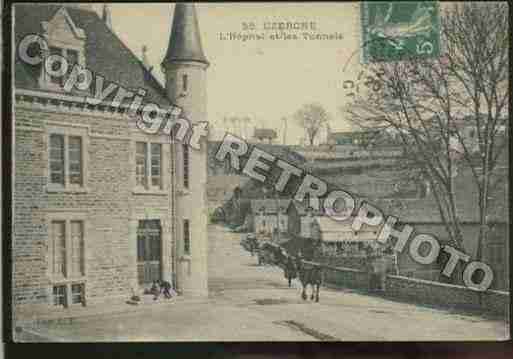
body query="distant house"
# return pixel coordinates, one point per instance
(268, 215)
(339, 238)
(301, 218)
(358, 138)
(424, 217)
(220, 188)
(265, 135)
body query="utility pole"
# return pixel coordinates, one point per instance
(284, 119)
(225, 123)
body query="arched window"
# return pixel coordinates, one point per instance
(185, 166)
(185, 83)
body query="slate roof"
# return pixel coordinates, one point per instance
(333, 231)
(350, 136)
(270, 205)
(283, 152)
(105, 53)
(185, 40)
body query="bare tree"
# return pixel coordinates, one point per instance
(225, 124)
(246, 120)
(284, 120)
(450, 111)
(234, 120)
(311, 117)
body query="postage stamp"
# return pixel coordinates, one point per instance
(234, 172)
(393, 30)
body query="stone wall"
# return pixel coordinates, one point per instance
(346, 277)
(496, 301)
(107, 204)
(431, 292)
(427, 292)
(421, 291)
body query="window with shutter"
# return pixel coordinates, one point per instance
(59, 248)
(66, 161)
(57, 159)
(77, 248)
(185, 166)
(75, 160)
(186, 237)
(59, 296)
(156, 159)
(148, 166)
(77, 293)
(140, 164)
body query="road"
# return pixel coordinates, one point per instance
(253, 303)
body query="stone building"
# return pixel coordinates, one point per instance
(101, 208)
(301, 218)
(339, 239)
(269, 215)
(265, 135)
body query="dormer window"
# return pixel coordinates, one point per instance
(72, 56)
(55, 79)
(56, 66)
(67, 41)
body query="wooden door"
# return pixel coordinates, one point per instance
(149, 251)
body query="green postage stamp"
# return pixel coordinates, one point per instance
(393, 30)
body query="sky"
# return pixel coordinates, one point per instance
(263, 79)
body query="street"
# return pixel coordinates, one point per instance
(253, 303)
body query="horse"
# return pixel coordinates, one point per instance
(253, 245)
(309, 274)
(289, 270)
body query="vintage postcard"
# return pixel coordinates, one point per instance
(260, 171)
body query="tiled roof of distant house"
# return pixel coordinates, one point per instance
(105, 53)
(270, 206)
(349, 137)
(426, 210)
(354, 153)
(333, 231)
(283, 152)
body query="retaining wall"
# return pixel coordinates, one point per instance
(428, 292)
(421, 291)
(346, 277)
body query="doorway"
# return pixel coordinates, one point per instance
(149, 251)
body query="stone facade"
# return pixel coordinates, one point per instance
(108, 203)
(89, 242)
(185, 68)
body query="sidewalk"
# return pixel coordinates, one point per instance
(112, 308)
(191, 320)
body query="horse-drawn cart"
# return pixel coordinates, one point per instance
(250, 243)
(270, 253)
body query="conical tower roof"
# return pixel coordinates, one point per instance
(106, 16)
(185, 40)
